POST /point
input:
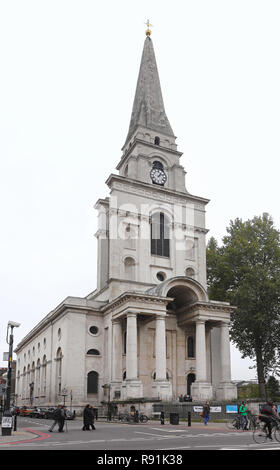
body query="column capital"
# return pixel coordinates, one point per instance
(131, 313)
(160, 317)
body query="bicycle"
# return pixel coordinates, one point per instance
(234, 423)
(131, 418)
(260, 435)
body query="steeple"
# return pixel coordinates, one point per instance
(148, 108)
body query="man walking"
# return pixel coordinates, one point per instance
(57, 416)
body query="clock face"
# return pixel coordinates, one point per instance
(158, 176)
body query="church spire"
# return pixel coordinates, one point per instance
(148, 108)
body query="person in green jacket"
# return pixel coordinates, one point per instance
(243, 413)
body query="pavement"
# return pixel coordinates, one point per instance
(24, 435)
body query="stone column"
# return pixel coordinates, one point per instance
(160, 348)
(200, 351)
(117, 352)
(225, 353)
(226, 390)
(131, 347)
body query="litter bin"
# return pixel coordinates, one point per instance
(174, 418)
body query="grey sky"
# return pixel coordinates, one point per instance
(67, 80)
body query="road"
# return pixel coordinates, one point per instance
(125, 437)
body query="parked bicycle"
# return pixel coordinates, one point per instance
(235, 423)
(131, 418)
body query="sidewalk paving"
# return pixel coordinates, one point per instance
(18, 436)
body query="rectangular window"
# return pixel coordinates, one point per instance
(160, 235)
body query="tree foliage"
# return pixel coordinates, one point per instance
(245, 271)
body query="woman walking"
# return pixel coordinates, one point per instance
(206, 413)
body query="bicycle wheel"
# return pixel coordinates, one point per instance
(230, 424)
(233, 424)
(144, 419)
(260, 436)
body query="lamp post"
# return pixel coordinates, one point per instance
(7, 419)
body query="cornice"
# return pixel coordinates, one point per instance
(159, 193)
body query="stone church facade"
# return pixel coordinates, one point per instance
(149, 329)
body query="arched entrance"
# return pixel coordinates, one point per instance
(190, 380)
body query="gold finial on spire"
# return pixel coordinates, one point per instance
(148, 31)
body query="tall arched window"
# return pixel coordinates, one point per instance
(44, 375)
(190, 346)
(160, 235)
(92, 382)
(58, 370)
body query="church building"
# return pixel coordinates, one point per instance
(149, 329)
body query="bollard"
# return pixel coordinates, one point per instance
(162, 417)
(15, 422)
(189, 419)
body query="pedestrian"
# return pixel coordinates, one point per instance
(243, 410)
(87, 417)
(91, 424)
(61, 419)
(56, 417)
(206, 413)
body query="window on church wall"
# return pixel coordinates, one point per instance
(160, 238)
(44, 375)
(190, 347)
(58, 370)
(92, 382)
(124, 342)
(157, 140)
(93, 352)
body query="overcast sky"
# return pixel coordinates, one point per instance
(68, 72)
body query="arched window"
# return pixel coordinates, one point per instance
(190, 346)
(160, 235)
(158, 165)
(157, 140)
(124, 375)
(190, 380)
(44, 375)
(92, 382)
(124, 342)
(58, 370)
(93, 352)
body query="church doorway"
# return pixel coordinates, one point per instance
(190, 380)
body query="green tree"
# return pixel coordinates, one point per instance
(273, 389)
(245, 271)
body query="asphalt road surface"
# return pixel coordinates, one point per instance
(143, 437)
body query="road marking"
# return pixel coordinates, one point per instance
(150, 434)
(171, 430)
